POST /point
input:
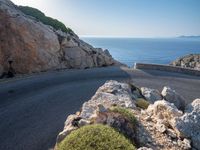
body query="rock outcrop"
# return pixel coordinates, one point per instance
(172, 96)
(33, 46)
(161, 126)
(188, 125)
(165, 112)
(151, 95)
(188, 61)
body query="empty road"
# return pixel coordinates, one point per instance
(33, 109)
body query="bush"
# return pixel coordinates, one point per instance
(40, 16)
(125, 112)
(95, 137)
(142, 103)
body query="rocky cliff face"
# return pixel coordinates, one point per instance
(158, 123)
(35, 47)
(189, 61)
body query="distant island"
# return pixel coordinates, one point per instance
(192, 36)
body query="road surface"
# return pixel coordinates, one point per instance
(33, 109)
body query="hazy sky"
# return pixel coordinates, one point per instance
(136, 18)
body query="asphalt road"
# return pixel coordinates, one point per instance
(33, 109)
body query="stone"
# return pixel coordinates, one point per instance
(164, 111)
(151, 95)
(101, 108)
(173, 97)
(148, 118)
(187, 143)
(188, 61)
(83, 122)
(35, 47)
(171, 133)
(188, 125)
(161, 127)
(68, 128)
(107, 53)
(111, 93)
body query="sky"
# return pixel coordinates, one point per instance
(124, 18)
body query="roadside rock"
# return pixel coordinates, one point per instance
(151, 95)
(69, 127)
(173, 97)
(160, 126)
(188, 61)
(165, 112)
(34, 46)
(188, 125)
(111, 93)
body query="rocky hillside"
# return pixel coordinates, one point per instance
(149, 120)
(31, 46)
(188, 61)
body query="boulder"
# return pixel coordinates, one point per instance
(34, 46)
(164, 112)
(111, 93)
(173, 97)
(151, 95)
(188, 125)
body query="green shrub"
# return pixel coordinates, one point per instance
(44, 19)
(142, 103)
(124, 112)
(95, 137)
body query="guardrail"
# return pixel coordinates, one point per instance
(167, 68)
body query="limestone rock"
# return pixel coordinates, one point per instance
(161, 127)
(34, 46)
(188, 61)
(185, 144)
(189, 124)
(165, 111)
(173, 97)
(151, 95)
(68, 128)
(111, 93)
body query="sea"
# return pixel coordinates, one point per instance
(146, 50)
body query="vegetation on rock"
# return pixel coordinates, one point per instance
(95, 137)
(124, 112)
(142, 103)
(40, 16)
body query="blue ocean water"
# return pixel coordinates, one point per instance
(147, 50)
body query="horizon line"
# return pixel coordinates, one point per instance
(108, 36)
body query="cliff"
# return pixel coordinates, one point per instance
(188, 61)
(31, 46)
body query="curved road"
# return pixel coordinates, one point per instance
(33, 109)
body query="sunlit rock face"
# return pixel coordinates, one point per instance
(188, 61)
(35, 47)
(188, 125)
